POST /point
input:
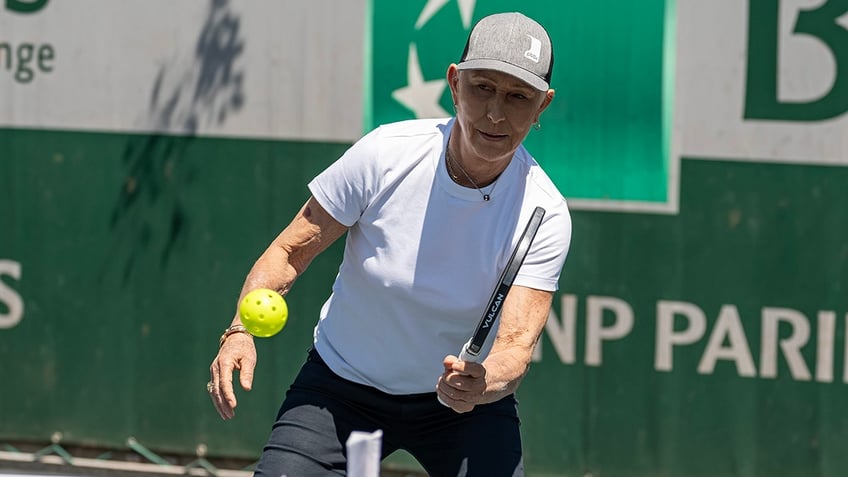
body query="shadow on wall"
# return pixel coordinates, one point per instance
(191, 92)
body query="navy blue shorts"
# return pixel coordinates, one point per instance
(321, 409)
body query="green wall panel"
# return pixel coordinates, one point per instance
(748, 235)
(133, 249)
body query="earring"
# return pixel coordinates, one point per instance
(537, 125)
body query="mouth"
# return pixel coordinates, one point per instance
(492, 137)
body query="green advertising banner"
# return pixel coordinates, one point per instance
(610, 111)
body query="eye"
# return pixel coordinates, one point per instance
(484, 87)
(519, 96)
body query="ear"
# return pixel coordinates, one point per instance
(452, 76)
(549, 96)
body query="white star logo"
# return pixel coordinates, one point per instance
(419, 96)
(843, 21)
(466, 10)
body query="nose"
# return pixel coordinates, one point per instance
(494, 110)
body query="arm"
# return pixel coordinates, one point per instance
(311, 231)
(464, 385)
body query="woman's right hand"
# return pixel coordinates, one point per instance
(238, 352)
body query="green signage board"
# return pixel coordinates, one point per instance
(606, 143)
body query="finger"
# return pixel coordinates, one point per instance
(449, 388)
(468, 368)
(216, 401)
(225, 385)
(452, 363)
(463, 387)
(246, 373)
(448, 397)
(213, 391)
(456, 381)
(223, 379)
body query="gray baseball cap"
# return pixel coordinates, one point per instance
(511, 43)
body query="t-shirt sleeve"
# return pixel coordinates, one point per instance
(347, 186)
(544, 262)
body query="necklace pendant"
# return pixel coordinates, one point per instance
(485, 197)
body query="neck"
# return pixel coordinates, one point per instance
(469, 174)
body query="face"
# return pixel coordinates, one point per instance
(494, 111)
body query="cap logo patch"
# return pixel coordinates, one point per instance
(535, 49)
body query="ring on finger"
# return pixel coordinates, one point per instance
(209, 387)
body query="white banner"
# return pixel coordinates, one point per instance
(261, 68)
(718, 73)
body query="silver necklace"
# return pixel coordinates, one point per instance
(449, 159)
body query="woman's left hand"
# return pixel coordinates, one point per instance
(462, 385)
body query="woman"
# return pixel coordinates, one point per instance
(432, 211)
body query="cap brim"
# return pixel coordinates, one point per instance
(510, 69)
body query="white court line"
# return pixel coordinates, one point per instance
(91, 464)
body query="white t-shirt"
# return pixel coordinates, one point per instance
(423, 253)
